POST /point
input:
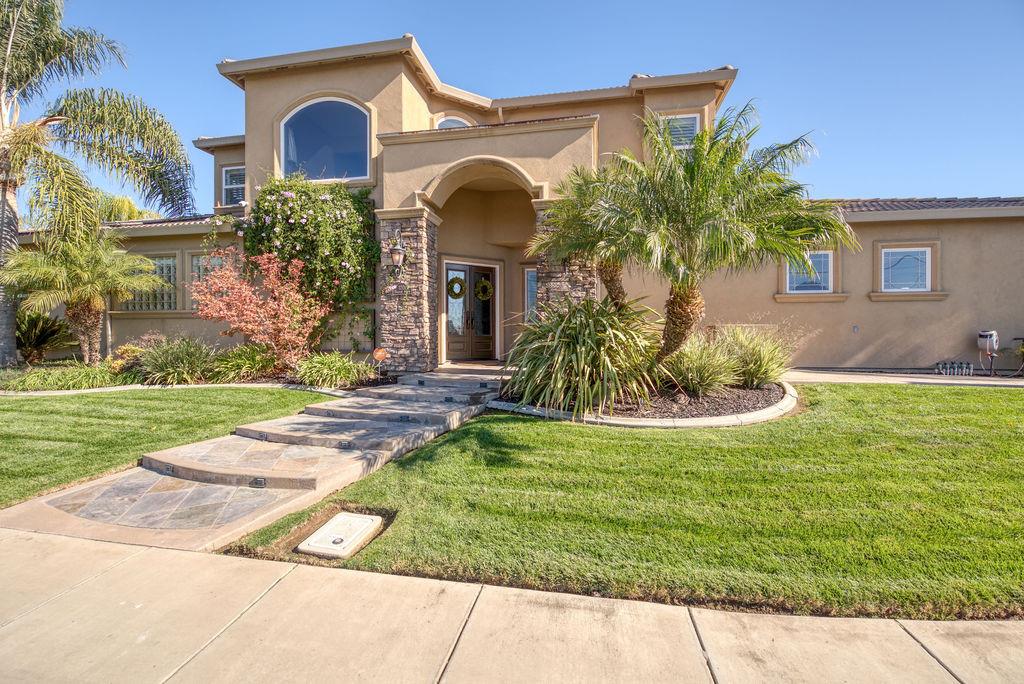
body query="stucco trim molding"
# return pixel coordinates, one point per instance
(458, 173)
(822, 298)
(933, 214)
(488, 130)
(408, 213)
(907, 296)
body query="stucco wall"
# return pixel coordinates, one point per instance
(979, 265)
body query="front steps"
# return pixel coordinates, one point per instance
(201, 496)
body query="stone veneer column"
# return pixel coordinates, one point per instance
(557, 279)
(407, 303)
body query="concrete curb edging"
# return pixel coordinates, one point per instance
(230, 385)
(781, 408)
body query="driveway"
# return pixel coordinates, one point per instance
(82, 610)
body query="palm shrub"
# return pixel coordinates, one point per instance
(702, 366)
(715, 205)
(334, 369)
(583, 357)
(182, 361)
(38, 333)
(761, 357)
(81, 272)
(244, 363)
(108, 130)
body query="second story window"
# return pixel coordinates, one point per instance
(233, 185)
(327, 139)
(452, 122)
(682, 128)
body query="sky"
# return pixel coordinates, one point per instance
(901, 97)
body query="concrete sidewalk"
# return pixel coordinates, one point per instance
(798, 375)
(75, 609)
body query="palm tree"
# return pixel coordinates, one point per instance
(715, 205)
(80, 274)
(114, 132)
(112, 208)
(577, 233)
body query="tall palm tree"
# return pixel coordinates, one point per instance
(80, 274)
(109, 130)
(111, 208)
(717, 204)
(577, 232)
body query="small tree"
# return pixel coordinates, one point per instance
(262, 298)
(80, 274)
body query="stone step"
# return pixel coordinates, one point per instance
(468, 381)
(392, 411)
(343, 433)
(448, 395)
(244, 462)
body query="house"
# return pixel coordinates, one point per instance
(463, 182)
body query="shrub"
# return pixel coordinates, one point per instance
(183, 361)
(334, 369)
(36, 333)
(244, 363)
(262, 298)
(69, 376)
(702, 366)
(761, 356)
(583, 357)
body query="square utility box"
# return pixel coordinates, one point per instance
(342, 536)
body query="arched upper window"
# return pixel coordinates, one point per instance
(453, 122)
(327, 139)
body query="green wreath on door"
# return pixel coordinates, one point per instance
(484, 290)
(456, 288)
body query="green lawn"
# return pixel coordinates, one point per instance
(50, 441)
(875, 500)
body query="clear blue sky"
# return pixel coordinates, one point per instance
(902, 97)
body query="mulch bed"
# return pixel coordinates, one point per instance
(684, 405)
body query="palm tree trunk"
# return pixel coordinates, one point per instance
(8, 304)
(86, 322)
(610, 273)
(684, 310)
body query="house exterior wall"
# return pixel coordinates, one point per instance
(979, 272)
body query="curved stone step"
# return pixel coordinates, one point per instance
(447, 395)
(392, 411)
(467, 381)
(243, 462)
(343, 433)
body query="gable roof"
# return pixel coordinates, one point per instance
(236, 71)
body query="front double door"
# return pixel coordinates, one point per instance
(469, 307)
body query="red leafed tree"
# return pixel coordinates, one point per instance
(261, 297)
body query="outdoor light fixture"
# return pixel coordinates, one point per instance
(397, 251)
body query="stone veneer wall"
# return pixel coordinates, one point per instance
(407, 304)
(557, 279)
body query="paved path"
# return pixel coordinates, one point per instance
(202, 496)
(90, 611)
(847, 377)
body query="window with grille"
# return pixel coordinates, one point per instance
(203, 264)
(234, 185)
(530, 278)
(906, 270)
(164, 299)
(819, 279)
(682, 128)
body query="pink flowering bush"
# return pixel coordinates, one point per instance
(262, 297)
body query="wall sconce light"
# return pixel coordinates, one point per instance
(397, 251)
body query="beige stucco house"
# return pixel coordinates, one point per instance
(463, 181)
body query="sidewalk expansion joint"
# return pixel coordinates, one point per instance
(930, 652)
(458, 637)
(703, 647)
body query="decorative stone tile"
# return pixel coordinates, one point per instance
(407, 304)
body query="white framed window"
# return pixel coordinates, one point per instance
(232, 185)
(327, 139)
(906, 269)
(452, 122)
(164, 299)
(530, 293)
(820, 279)
(683, 128)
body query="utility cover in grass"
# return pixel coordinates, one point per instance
(342, 535)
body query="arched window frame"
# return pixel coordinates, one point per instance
(452, 117)
(330, 98)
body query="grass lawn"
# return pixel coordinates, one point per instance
(50, 441)
(875, 500)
